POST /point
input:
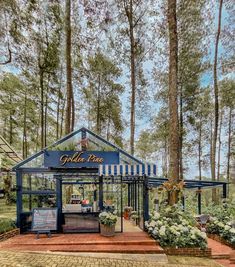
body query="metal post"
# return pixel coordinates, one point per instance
(199, 201)
(95, 195)
(121, 208)
(131, 194)
(135, 196)
(128, 194)
(18, 195)
(224, 190)
(145, 199)
(101, 206)
(59, 201)
(30, 189)
(183, 202)
(84, 141)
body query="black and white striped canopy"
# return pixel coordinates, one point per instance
(125, 169)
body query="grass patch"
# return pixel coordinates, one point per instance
(7, 211)
(6, 225)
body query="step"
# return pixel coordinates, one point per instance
(110, 249)
(220, 256)
(89, 243)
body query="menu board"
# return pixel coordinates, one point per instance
(44, 219)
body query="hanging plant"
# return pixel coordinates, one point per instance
(172, 187)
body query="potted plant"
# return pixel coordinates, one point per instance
(107, 223)
(127, 212)
(134, 217)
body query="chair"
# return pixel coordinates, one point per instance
(203, 220)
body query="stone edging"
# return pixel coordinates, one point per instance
(9, 234)
(221, 240)
(194, 252)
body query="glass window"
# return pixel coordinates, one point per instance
(30, 202)
(38, 182)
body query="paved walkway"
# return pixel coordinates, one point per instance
(221, 252)
(32, 259)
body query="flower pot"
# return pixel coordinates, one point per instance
(106, 230)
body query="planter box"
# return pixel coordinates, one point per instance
(221, 240)
(194, 252)
(107, 230)
(9, 234)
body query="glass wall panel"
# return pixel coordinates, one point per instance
(38, 182)
(112, 197)
(38, 201)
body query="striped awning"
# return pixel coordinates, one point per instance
(125, 169)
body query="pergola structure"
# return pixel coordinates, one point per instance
(7, 150)
(99, 169)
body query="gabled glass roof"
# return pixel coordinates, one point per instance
(75, 141)
(7, 151)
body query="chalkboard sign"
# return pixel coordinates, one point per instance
(44, 219)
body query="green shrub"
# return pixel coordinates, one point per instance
(107, 218)
(224, 212)
(12, 198)
(6, 225)
(225, 230)
(174, 228)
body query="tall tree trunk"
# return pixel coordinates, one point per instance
(41, 74)
(173, 93)
(25, 128)
(5, 129)
(68, 114)
(216, 108)
(45, 121)
(58, 104)
(108, 128)
(166, 157)
(219, 147)
(62, 117)
(229, 143)
(73, 112)
(181, 130)
(58, 115)
(200, 149)
(10, 122)
(98, 126)
(129, 14)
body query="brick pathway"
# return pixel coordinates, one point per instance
(221, 253)
(26, 259)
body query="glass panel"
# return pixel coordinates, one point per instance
(37, 162)
(112, 196)
(96, 144)
(38, 201)
(80, 196)
(73, 143)
(38, 182)
(126, 160)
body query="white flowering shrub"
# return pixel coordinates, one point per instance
(225, 230)
(174, 228)
(107, 218)
(224, 212)
(223, 220)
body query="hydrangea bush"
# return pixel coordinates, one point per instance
(225, 230)
(107, 218)
(174, 228)
(222, 222)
